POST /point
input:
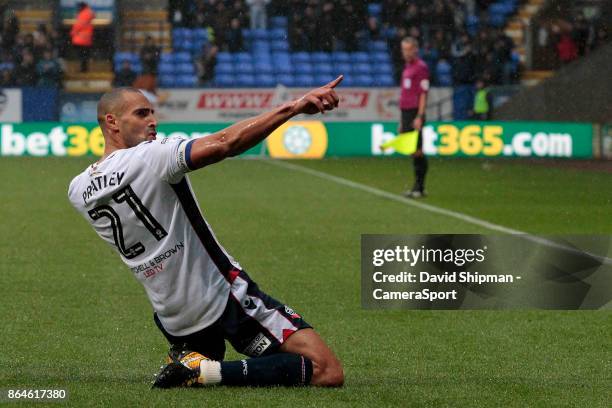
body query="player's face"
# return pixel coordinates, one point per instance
(137, 123)
(409, 51)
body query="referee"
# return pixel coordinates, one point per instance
(413, 102)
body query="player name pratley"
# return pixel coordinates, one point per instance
(101, 182)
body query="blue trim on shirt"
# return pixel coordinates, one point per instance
(188, 155)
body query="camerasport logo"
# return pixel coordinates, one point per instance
(259, 344)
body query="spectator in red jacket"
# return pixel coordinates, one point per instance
(81, 33)
(567, 49)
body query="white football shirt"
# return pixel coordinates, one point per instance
(140, 201)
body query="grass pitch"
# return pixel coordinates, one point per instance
(73, 317)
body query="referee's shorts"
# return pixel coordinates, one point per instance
(408, 116)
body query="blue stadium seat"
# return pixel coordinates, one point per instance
(362, 68)
(259, 46)
(325, 69)
(382, 69)
(472, 23)
(384, 80)
(244, 68)
(167, 81)
(224, 80)
(279, 22)
(286, 68)
(184, 68)
(279, 45)
(245, 80)
(265, 80)
(277, 34)
(259, 34)
(242, 57)
(322, 79)
(261, 56)
(304, 80)
(166, 57)
(320, 57)
(279, 58)
(224, 57)
(360, 56)
(341, 56)
(186, 81)
(165, 68)
(374, 9)
(126, 56)
(343, 68)
(224, 68)
(263, 67)
(137, 67)
(200, 34)
(444, 75)
(378, 57)
(377, 46)
(348, 80)
(180, 57)
(305, 69)
(285, 79)
(300, 58)
(364, 80)
(497, 20)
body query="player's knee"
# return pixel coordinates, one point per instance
(328, 373)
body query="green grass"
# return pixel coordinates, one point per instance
(73, 317)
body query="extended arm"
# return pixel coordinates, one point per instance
(243, 135)
(418, 121)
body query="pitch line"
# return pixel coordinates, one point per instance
(437, 210)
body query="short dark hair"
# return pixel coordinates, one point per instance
(411, 40)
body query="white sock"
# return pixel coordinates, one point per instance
(210, 372)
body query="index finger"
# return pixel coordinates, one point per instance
(335, 82)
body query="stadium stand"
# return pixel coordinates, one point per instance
(204, 43)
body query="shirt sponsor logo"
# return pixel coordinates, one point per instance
(259, 344)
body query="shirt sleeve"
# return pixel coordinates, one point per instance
(422, 80)
(169, 157)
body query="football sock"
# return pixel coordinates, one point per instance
(276, 369)
(420, 170)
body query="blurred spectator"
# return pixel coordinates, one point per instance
(9, 26)
(49, 70)
(463, 60)
(149, 56)
(600, 37)
(259, 16)
(81, 33)
(483, 102)
(327, 27)
(208, 60)
(6, 78)
(125, 76)
(25, 72)
(147, 84)
(373, 31)
(567, 51)
(351, 19)
(233, 36)
(581, 34)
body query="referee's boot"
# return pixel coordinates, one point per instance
(182, 368)
(416, 192)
